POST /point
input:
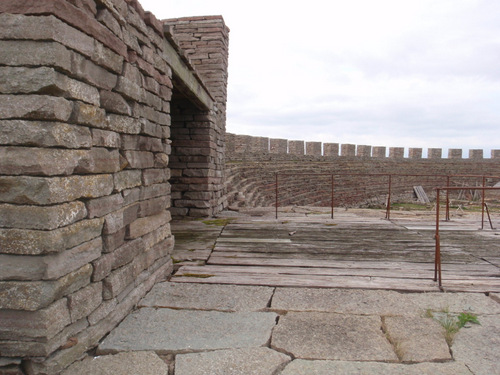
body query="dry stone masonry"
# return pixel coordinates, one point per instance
(107, 115)
(252, 162)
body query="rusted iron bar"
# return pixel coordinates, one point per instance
(437, 252)
(388, 209)
(483, 204)
(332, 196)
(447, 199)
(276, 202)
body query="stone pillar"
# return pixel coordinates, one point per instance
(330, 149)
(348, 150)
(313, 148)
(379, 152)
(364, 151)
(434, 153)
(259, 145)
(278, 146)
(296, 147)
(415, 153)
(495, 154)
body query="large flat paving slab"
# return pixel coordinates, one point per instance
(144, 363)
(302, 367)
(343, 301)
(251, 361)
(380, 302)
(318, 335)
(417, 339)
(183, 331)
(208, 297)
(478, 346)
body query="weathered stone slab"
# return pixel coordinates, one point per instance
(345, 301)
(254, 361)
(144, 363)
(145, 225)
(48, 267)
(14, 52)
(478, 347)
(36, 107)
(35, 295)
(44, 134)
(45, 217)
(29, 325)
(302, 367)
(36, 242)
(417, 339)
(20, 80)
(175, 331)
(316, 335)
(208, 297)
(476, 303)
(42, 190)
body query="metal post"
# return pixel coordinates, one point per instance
(332, 196)
(483, 202)
(447, 198)
(276, 203)
(437, 254)
(388, 210)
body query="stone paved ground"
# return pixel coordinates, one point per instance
(192, 329)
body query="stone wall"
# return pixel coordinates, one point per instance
(239, 146)
(89, 90)
(359, 172)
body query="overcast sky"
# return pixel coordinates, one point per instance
(395, 73)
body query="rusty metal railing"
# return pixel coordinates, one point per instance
(390, 181)
(437, 252)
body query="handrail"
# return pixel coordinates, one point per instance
(437, 252)
(389, 183)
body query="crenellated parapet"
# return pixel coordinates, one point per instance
(246, 144)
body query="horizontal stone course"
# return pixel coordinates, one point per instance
(44, 134)
(36, 242)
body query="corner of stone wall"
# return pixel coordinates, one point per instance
(85, 92)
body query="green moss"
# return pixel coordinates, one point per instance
(196, 275)
(217, 222)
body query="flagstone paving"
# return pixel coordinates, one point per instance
(196, 328)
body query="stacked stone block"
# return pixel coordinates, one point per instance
(364, 151)
(86, 89)
(348, 150)
(313, 148)
(331, 149)
(296, 147)
(278, 146)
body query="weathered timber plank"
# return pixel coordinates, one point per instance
(315, 282)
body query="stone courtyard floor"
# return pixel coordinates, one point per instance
(193, 325)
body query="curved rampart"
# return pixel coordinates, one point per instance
(359, 178)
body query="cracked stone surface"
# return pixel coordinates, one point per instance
(144, 363)
(252, 361)
(314, 335)
(477, 303)
(417, 339)
(183, 331)
(479, 346)
(302, 367)
(208, 297)
(344, 301)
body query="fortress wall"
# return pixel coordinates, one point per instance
(246, 144)
(89, 90)
(253, 174)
